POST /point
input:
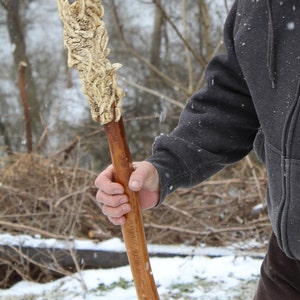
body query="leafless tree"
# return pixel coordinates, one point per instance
(164, 48)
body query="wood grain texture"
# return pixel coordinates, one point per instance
(133, 229)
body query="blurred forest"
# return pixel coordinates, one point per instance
(51, 151)
(163, 46)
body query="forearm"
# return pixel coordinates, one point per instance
(216, 128)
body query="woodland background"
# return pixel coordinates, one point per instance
(51, 151)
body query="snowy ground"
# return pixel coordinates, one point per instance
(207, 273)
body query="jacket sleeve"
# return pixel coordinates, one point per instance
(216, 128)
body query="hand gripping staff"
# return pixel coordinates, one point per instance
(85, 38)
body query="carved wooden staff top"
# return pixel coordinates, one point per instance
(86, 38)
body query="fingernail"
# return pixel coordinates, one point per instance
(123, 200)
(135, 184)
(126, 208)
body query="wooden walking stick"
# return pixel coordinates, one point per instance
(86, 39)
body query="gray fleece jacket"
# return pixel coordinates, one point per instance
(251, 100)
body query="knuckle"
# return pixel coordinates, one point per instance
(107, 199)
(116, 221)
(113, 201)
(115, 212)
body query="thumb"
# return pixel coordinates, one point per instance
(143, 172)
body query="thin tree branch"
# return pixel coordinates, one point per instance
(155, 93)
(187, 53)
(4, 3)
(154, 69)
(205, 20)
(21, 228)
(205, 232)
(214, 53)
(40, 265)
(199, 58)
(26, 106)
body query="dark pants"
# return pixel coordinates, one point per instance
(280, 276)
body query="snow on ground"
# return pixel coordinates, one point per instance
(224, 274)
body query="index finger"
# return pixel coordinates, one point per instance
(105, 182)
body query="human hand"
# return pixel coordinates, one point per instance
(115, 205)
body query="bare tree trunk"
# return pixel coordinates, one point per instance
(16, 33)
(24, 97)
(187, 52)
(156, 36)
(6, 139)
(204, 20)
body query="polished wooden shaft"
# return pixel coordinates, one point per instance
(133, 229)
